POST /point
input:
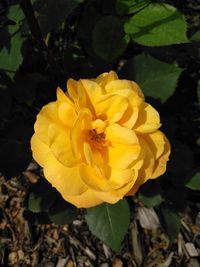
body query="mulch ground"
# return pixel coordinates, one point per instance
(49, 245)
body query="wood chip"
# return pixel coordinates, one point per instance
(136, 243)
(90, 254)
(191, 250)
(62, 262)
(148, 218)
(168, 261)
(107, 251)
(117, 263)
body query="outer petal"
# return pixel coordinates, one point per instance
(115, 195)
(106, 77)
(47, 115)
(122, 87)
(161, 162)
(148, 119)
(40, 150)
(147, 168)
(86, 200)
(156, 142)
(66, 180)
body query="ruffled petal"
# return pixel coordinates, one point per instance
(47, 115)
(161, 162)
(115, 195)
(105, 78)
(86, 200)
(66, 180)
(95, 179)
(117, 134)
(122, 156)
(67, 114)
(148, 119)
(39, 149)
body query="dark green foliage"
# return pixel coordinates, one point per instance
(44, 199)
(109, 222)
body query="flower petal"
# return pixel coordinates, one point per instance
(156, 142)
(66, 180)
(86, 200)
(115, 195)
(39, 149)
(117, 134)
(123, 87)
(105, 78)
(77, 133)
(148, 119)
(95, 179)
(160, 164)
(47, 115)
(129, 118)
(61, 146)
(122, 156)
(67, 114)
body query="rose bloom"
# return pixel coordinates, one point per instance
(99, 141)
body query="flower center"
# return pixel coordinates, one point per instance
(97, 140)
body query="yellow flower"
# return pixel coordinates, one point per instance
(99, 141)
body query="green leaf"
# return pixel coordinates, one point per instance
(62, 212)
(195, 37)
(157, 25)
(109, 222)
(41, 196)
(157, 79)
(12, 40)
(194, 182)
(52, 13)
(108, 40)
(150, 194)
(170, 222)
(130, 6)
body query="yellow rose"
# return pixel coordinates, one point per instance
(99, 141)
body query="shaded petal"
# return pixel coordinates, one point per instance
(110, 107)
(147, 168)
(115, 195)
(129, 118)
(117, 134)
(66, 180)
(148, 119)
(161, 162)
(117, 108)
(63, 97)
(39, 149)
(94, 178)
(86, 200)
(77, 133)
(156, 142)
